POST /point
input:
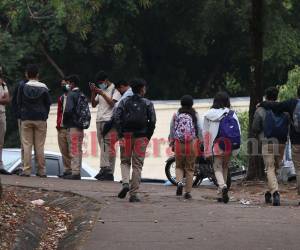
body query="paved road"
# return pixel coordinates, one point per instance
(163, 221)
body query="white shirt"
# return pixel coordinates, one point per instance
(3, 91)
(105, 111)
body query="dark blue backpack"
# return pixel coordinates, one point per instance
(276, 125)
(229, 135)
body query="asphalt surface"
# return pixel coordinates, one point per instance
(163, 221)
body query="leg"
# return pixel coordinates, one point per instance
(269, 160)
(2, 135)
(190, 168)
(138, 157)
(20, 135)
(40, 132)
(76, 139)
(104, 160)
(180, 162)
(27, 141)
(226, 162)
(296, 160)
(218, 169)
(112, 138)
(62, 137)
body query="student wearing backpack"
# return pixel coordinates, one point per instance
(292, 107)
(104, 95)
(76, 118)
(272, 131)
(62, 132)
(222, 139)
(135, 121)
(4, 100)
(34, 102)
(184, 131)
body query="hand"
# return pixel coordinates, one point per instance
(258, 105)
(92, 87)
(98, 91)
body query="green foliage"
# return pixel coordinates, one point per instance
(289, 90)
(244, 123)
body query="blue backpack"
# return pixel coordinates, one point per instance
(229, 132)
(276, 125)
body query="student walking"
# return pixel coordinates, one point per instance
(62, 132)
(221, 137)
(135, 121)
(34, 104)
(292, 107)
(76, 118)
(184, 130)
(272, 131)
(4, 100)
(105, 96)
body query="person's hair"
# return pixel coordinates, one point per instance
(120, 83)
(137, 85)
(271, 93)
(32, 70)
(187, 103)
(298, 92)
(101, 76)
(73, 79)
(221, 100)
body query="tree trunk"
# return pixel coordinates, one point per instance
(255, 164)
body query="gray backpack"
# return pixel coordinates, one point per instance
(296, 117)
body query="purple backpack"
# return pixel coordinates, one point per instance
(229, 132)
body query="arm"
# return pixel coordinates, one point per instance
(111, 102)
(257, 124)
(47, 102)
(199, 127)
(286, 106)
(59, 111)
(171, 135)
(118, 118)
(94, 99)
(5, 99)
(152, 120)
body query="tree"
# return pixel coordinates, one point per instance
(255, 167)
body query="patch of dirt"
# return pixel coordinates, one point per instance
(55, 223)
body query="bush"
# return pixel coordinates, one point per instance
(289, 90)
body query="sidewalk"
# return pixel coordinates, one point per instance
(163, 221)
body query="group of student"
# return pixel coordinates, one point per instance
(275, 124)
(124, 115)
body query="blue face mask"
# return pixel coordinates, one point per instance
(103, 86)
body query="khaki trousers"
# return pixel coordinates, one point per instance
(2, 134)
(220, 165)
(185, 157)
(296, 161)
(20, 135)
(75, 139)
(107, 147)
(133, 151)
(34, 134)
(63, 143)
(273, 155)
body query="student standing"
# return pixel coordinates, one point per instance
(34, 104)
(105, 96)
(272, 131)
(4, 100)
(184, 131)
(62, 132)
(135, 121)
(76, 118)
(292, 107)
(221, 137)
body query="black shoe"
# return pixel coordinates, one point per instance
(99, 175)
(187, 196)
(225, 196)
(268, 198)
(134, 198)
(41, 175)
(276, 199)
(179, 189)
(219, 199)
(72, 177)
(122, 194)
(24, 175)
